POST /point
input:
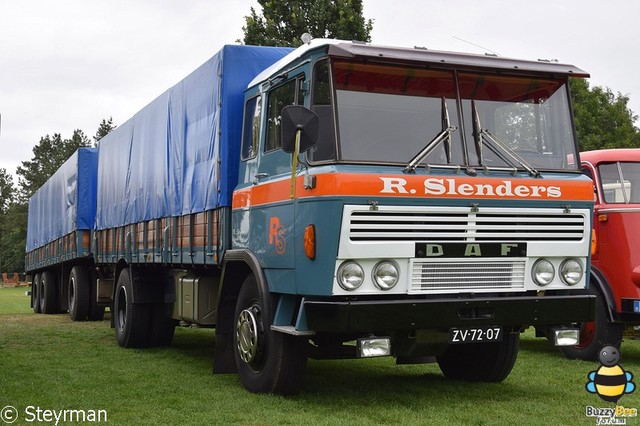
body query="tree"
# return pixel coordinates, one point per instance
(48, 156)
(602, 119)
(6, 198)
(6, 191)
(14, 237)
(106, 126)
(283, 22)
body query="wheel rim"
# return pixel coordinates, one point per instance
(247, 335)
(41, 288)
(121, 313)
(72, 293)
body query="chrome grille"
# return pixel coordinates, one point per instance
(461, 275)
(461, 224)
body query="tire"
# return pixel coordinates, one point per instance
(49, 293)
(131, 320)
(78, 295)
(480, 362)
(162, 328)
(35, 293)
(596, 334)
(267, 361)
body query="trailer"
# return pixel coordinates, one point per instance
(59, 225)
(343, 200)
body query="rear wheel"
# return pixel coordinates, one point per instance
(596, 334)
(267, 361)
(35, 293)
(48, 293)
(131, 320)
(480, 362)
(78, 293)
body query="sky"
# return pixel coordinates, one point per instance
(69, 64)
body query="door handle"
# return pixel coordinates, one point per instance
(258, 177)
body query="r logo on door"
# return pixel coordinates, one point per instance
(276, 235)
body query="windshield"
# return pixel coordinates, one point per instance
(620, 182)
(389, 114)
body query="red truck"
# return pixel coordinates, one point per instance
(615, 267)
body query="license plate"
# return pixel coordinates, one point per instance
(475, 335)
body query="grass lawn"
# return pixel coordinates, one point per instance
(50, 362)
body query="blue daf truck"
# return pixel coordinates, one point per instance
(339, 200)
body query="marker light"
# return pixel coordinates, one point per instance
(310, 241)
(543, 272)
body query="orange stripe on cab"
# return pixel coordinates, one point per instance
(356, 184)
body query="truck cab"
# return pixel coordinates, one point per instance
(437, 211)
(615, 268)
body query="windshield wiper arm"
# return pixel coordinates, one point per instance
(444, 135)
(501, 149)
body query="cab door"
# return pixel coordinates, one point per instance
(265, 223)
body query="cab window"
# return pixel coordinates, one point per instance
(321, 104)
(620, 182)
(279, 97)
(251, 127)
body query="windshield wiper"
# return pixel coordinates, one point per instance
(443, 136)
(498, 147)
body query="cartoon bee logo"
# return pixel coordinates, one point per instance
(610, 381)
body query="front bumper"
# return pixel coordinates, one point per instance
(413, 314)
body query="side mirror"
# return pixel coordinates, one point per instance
(296, 118)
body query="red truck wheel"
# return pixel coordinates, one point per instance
(480, 362)
(596, 334)
(268, 361)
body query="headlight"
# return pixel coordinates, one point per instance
(571, 271)
(350, 275)
(543, 272)
(385, 275)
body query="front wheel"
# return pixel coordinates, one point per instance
(596, 334)
(267, 361)
(480, 362)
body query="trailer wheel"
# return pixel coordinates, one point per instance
(78, 293)
(267, 361)
(131, 320)
(480, 362)
(35, 293)
(48, 293)
(596, 334)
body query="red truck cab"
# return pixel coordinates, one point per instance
(615, 261)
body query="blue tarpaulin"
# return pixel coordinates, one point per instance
(180, 153)
(66, 202)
